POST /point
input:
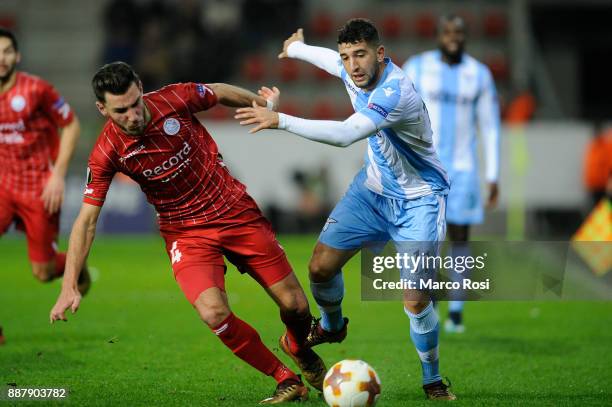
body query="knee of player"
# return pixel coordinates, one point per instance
(214, 316)
(43, 271)
(414, 306)
(295, 305)
(319, 271)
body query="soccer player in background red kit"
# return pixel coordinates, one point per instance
(34, 161)
(203, 212)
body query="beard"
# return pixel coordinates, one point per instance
(373, 77)
(454, 56)
(5, 78)
(134, 131)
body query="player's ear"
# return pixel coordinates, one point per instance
(18, 58)
(101, 108)
(380, 53)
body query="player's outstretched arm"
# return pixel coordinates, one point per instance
(336, 133)
(53, 192)
(297, 36)
(324, 58)
(234, 96)
(81, 238)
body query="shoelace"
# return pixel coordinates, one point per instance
(443, 389)
(314, 324)
(314, 331)
(440, 391)
(288, 388)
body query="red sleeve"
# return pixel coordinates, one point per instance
(55, 106)
(198, 96)
(100, 173)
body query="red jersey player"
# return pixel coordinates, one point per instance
(33, 160)
(204, 214)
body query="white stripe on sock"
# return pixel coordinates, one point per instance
(429, 356)
(223, 328)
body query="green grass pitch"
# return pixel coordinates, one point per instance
(137, 342)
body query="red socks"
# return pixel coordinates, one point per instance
(298, 327)
(245, 342)
(60, 264)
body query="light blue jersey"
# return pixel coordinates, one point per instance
(400, 194)
(401, 161)
(461, 101)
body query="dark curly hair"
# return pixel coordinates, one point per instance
(358, 29)
(114, 78)
(9, 34)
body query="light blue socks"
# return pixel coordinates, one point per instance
(424, 330)
(329, 295)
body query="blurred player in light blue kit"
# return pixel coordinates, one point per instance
(461, 98)
(400, 193)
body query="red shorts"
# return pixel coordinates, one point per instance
(30, 216)
(242, 235)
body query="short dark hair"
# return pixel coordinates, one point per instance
(9, 34)
(448, 18)
(358, 29)
(114, 78)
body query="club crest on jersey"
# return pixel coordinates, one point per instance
(18, 103)
(171, 126)
(388, 91)
(328, 223)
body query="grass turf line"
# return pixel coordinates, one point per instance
(136, 341)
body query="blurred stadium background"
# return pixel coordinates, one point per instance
(547, 58)
(135, 339)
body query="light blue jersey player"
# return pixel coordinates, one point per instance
(400, 193)
(461, 99)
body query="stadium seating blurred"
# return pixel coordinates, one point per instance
(406, 28)
(168, 42)
(238, 42)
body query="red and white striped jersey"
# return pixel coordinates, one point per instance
(31, 113)
(175, 161)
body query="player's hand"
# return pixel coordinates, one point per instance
(68, 299)
(273, 95)
(296, 36)
(53, 193)
(493, 195)
(262, 117)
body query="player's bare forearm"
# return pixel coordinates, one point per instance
(53, 192)
(81, 239)
(68, 142)
(234, 96)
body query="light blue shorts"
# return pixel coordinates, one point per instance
(363, 217)
(464, 200)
